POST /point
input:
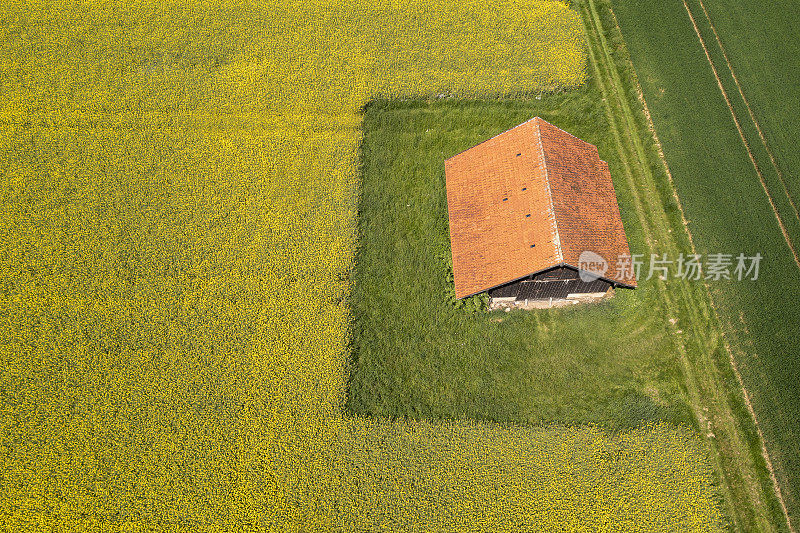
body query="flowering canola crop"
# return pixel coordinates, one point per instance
(179, 186)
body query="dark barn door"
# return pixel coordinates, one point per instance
(555, 283)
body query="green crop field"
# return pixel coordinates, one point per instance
(760, 42)
(718, 183)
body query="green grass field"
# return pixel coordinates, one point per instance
(417, 356)
(720, 189)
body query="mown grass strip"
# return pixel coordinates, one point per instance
(727, 209)
(604, 69)
(418, 356)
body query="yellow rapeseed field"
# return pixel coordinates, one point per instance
(179, 185)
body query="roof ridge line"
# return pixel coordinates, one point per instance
(556, 237)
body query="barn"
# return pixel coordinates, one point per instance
(534, 218)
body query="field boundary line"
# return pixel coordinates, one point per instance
(750, 111)
(744, 139)
(763, 441)
(713, 308)
(734, 364)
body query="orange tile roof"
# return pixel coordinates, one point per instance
(531, 198)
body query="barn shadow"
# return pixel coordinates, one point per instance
(634, 409)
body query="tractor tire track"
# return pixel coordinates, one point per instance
(734, 365)
(744, 139)
(750, 112)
